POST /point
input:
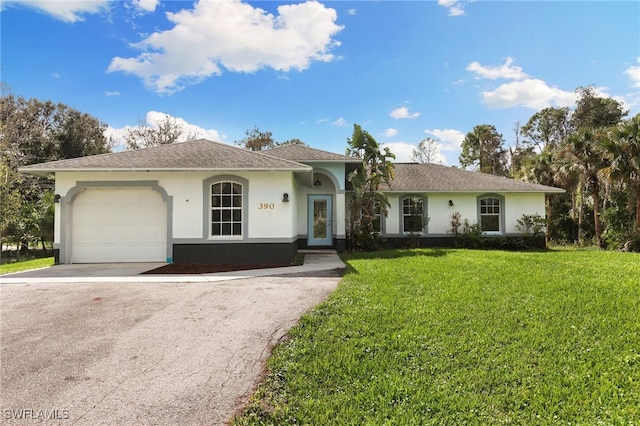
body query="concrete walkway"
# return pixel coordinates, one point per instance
(314, 262)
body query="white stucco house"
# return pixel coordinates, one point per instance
(210, 202)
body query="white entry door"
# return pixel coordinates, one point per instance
(320, 221)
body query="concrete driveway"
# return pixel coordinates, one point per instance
(138, 353)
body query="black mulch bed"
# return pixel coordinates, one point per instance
(205, 268)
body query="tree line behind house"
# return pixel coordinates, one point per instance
(592, 151)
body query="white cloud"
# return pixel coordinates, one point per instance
(449, 139)
(351, 12)
(634, 74)
(235, 36)
(403, 112)
(456, 7)
(110, 93)
(146, 5)
(390, 132)
(152, 118)
(64, 10)
(531, 93)
(523, 91)
(340, 122)
(506, 70)
(188, 129)
(402, 151)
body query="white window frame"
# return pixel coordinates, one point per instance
(379, 215)
(403, 215)
(208, 218)
(489, 210)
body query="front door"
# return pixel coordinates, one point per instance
(320, 223)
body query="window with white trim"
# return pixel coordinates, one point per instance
(413, 215)
(490, 210)
(226, 209)
(376, 219)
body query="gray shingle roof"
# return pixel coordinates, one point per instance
(207, 155)
(305, 153)
(193, 155)
(436, 178)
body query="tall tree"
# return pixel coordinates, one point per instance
(34, 131)
(582, 153)
(548, 127)
(582, 150)
(168, 130)
(256, 140)
(79, 135)
(376, 168)
(544, 168)
(622, 148)
(483, 149)
(426, 152)
(594, 111)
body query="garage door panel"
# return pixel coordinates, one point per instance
(116, 252)
(119, 225)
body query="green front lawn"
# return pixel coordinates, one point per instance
(10, 268)
(465, 337)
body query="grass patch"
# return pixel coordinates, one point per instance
(25, 265)
(464, 337)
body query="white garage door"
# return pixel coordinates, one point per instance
(119, 225)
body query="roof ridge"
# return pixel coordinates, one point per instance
(321, 152)
(192, 154)
(276, 158)
(249, 151)
(465, 179)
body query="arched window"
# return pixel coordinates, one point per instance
(376, 219)
(226, 209)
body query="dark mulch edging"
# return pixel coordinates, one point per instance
(205, 268)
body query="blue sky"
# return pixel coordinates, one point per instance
(404, 70)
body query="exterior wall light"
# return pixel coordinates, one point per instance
(317, 183)
(56, 198)
(285, 198)
(450, 203)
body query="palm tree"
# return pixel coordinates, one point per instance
(582, 154)
(540, 169)
(622, 148)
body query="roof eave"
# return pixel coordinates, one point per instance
(331, 161)
(46, 172)
(473, 191)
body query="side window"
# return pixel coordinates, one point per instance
(490, 214)
(226, 209)
(376, 220)
(413, 209)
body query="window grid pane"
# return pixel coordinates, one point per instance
(376, 219)
(490, 214)
(226, 209)
(412, 213)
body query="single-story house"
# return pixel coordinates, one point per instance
(210, 202)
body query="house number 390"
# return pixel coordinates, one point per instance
(267, 206)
